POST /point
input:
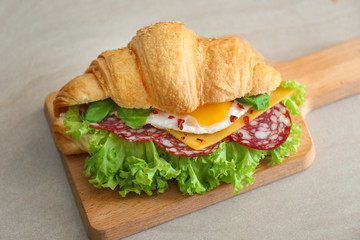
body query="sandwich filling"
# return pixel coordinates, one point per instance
(266, 132)
(140, 149)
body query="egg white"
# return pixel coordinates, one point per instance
(191, 125)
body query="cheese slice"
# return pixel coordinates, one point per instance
(200, 141)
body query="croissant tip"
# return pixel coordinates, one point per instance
(146, 29)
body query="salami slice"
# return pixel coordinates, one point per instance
(174, 146)
(148, 133)
(268, 131)
(118, 127)
(110, 123)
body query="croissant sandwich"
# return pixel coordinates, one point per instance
(172, 105)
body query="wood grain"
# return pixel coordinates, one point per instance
(330, 75)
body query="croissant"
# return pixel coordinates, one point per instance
(170, 68)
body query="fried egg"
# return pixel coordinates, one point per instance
(208, 118)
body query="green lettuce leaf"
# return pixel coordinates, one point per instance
(137, 167)
(134, 117)
(73, 121)
(231, 163)
(297, 99)
(259, 102)
(134, 167)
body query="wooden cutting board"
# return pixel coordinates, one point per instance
(330, 74)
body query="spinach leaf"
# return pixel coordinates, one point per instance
(259, 102)
(97, 111)
(134, 117)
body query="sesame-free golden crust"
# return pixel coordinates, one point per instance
(66, 143)
(168, 67)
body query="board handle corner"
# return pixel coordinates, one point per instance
(330, 74)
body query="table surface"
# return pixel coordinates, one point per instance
(43, 46)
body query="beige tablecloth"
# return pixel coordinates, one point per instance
(43, 44)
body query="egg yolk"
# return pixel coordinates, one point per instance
(210, 114)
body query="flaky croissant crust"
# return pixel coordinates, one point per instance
(168, 67)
